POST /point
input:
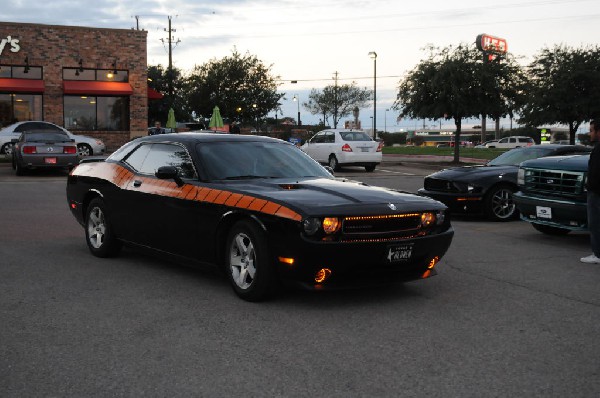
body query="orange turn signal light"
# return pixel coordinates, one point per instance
(286, 260)
(322, 275)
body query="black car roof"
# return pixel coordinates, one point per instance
(191, 138)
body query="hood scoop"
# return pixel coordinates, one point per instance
(290, 187)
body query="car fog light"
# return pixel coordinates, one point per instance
(331, 225)
(322, 275)
(311, 225)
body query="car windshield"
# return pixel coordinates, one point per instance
(47, 136)
(253, 159)
(518, 155)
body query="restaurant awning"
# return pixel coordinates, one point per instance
(153, 94)
(22, 85)
(96, 88)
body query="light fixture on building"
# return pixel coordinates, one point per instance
(80, 69)
(113, 72)
(26, 70)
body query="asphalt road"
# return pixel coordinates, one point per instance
(512, 313)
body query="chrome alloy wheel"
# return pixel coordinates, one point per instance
(242, 260)
(96, 228)
(502, 204)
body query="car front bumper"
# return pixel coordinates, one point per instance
(561, 214)
(360, 264)
(463, 203)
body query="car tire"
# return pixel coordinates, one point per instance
(7, 149)
(370, 168)
(499, 204)
(84, 150)
(550, 230)
(99, 234)
(248, 263)
(19, 170)
(333, 163)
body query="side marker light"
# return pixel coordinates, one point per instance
(322, 275)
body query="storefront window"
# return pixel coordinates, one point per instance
(77, 74)
(17, 107)
(25, 72)
(109, 75)
(5, 71)
(96, 113)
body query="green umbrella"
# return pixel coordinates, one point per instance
(216, 121)
(171, 123)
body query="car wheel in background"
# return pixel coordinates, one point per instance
(333, 163)
(7, 149)
(248, 263)
(99, 235)
(370, 168)
(84, 150)
(499, 204)
(550, 230)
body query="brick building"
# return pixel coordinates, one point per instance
(91, 81)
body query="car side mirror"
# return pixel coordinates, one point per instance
(169, 173)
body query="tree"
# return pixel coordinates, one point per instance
(564, 87)
(447, 84)
(337, 101)
(456, 83)
(159, 81)
(241, 86)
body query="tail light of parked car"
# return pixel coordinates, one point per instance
(29, 149)
(70, 149)
(346, 148)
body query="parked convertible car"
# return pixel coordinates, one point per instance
(42, 149)
(259, 209)
(85, 145)
(488, 189)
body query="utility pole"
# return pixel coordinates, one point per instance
(170, 39)
(335, 103)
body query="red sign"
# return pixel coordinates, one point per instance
(491, 44)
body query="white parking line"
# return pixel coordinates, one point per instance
(397, 172)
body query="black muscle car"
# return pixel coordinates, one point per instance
(258, 208)
(489, 189)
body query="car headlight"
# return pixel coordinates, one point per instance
(311, 225)
(329, 225)
(521, 177)
(427, 219)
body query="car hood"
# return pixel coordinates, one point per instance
(569, 163)
(335, 196)
(472, 173)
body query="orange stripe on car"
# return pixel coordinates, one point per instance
(122, 177)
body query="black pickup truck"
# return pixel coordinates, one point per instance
(552, 194)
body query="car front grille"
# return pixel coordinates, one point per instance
(382, 228)
(436, 184)
(555, 182)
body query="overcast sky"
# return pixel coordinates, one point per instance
(309, 40)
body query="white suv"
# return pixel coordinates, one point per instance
(512, 142)
(341, 147)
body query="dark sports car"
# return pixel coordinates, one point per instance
(259, 209)
(489, 189)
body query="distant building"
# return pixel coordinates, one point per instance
(91, 81)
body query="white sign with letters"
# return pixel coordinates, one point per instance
(13, 43)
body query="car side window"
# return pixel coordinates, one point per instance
(503, 141)
(330, 137)
(317, 139)
(24, 127)
(168, 155)
(137, 157)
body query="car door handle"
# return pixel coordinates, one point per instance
(137, 183)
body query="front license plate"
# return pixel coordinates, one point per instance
(50, 160)
(543, 212)
(399, 253)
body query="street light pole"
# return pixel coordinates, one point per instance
(385, 121)
(297, 99)
(373, 55)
